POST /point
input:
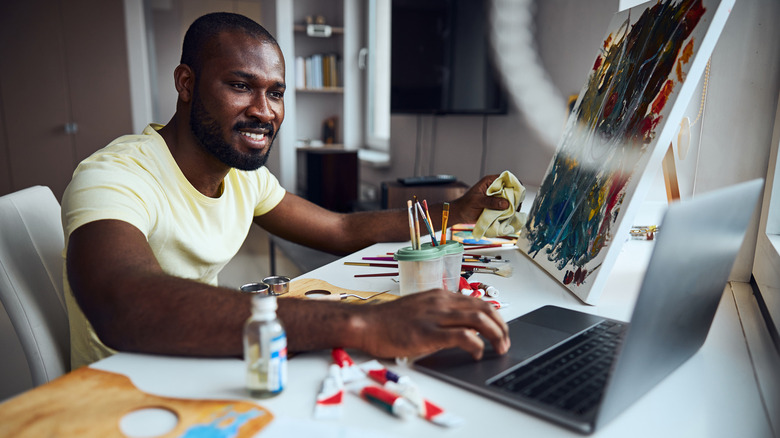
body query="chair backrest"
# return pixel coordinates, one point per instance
(31, 244)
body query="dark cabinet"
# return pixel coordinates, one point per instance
(328, 177)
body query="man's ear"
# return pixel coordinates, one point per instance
(184, 80)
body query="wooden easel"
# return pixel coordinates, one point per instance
(670, 176)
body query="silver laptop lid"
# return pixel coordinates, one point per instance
(690, 265)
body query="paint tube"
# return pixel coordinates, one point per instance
(498, 304)
(382, 375)
(477, 293)
(403, 386)
(425, 408)
(329, 404)
(489, 290)
(349, 371)
(388, 400)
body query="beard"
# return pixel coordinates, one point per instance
(208, 133)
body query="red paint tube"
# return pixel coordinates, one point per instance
(349, 371)
(329, 403)
(425, 408)
(388, 401)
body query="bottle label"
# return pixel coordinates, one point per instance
(268, 373)
(277, 366)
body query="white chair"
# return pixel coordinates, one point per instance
(31, 244)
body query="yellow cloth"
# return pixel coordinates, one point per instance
(493, 223)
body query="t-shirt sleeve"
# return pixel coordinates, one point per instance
(271, 192)
(101, 190)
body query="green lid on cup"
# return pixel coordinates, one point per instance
(448, 248)
(427, 252)
(451, 248)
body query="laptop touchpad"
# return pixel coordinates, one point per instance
(528, 339)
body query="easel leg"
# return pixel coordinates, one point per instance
(670, 176)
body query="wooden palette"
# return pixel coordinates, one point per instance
(299, 287)
(91, 403)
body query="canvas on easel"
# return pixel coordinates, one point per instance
(643, 77)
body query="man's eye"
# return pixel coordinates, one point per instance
(240, 86)
(277, 94)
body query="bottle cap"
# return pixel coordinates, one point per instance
(264, 303)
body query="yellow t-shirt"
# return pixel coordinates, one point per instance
(135, 179)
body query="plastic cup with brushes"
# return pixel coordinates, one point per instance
(452, 257)
(420, 269)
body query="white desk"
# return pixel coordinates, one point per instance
(714, 394)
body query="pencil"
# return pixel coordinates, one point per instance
(445, 214)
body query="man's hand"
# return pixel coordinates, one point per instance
(426, 322)
(468, 207)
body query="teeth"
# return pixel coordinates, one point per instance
(253, 136)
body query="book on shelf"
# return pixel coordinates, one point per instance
(320, 70)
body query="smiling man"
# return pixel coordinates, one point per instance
(151, 219)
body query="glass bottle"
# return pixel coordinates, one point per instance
(265, 349)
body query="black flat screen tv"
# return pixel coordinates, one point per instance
(441, 59)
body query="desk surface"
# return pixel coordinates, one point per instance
(714, 394)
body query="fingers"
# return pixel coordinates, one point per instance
(439, 319)
(479, 317)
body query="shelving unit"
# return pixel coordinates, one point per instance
(308, 108)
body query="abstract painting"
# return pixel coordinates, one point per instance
(642, 79)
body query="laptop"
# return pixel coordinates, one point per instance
(580, 370)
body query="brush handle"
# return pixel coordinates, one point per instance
(376, 265)
(469, 267)
(378, 274)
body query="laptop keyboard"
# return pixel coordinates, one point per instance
(571, 376)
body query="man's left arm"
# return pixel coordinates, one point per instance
(303, 222)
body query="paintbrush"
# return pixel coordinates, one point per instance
(416, 224)
(504, 271)
(427, 225)
(445, 215)
(483, 260)
(376, 265)
(427, 213)
(411, 223)
(482, 256)
(471, 246)
(377, 274)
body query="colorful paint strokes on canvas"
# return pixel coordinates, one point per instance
(615, 121)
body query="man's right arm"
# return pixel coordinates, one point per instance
(134, 306)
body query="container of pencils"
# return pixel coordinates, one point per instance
(420, 269)
(453, 259)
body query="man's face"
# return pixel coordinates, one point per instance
(238, 100)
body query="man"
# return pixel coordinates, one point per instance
(151, 219)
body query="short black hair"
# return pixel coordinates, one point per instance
(206, 27)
